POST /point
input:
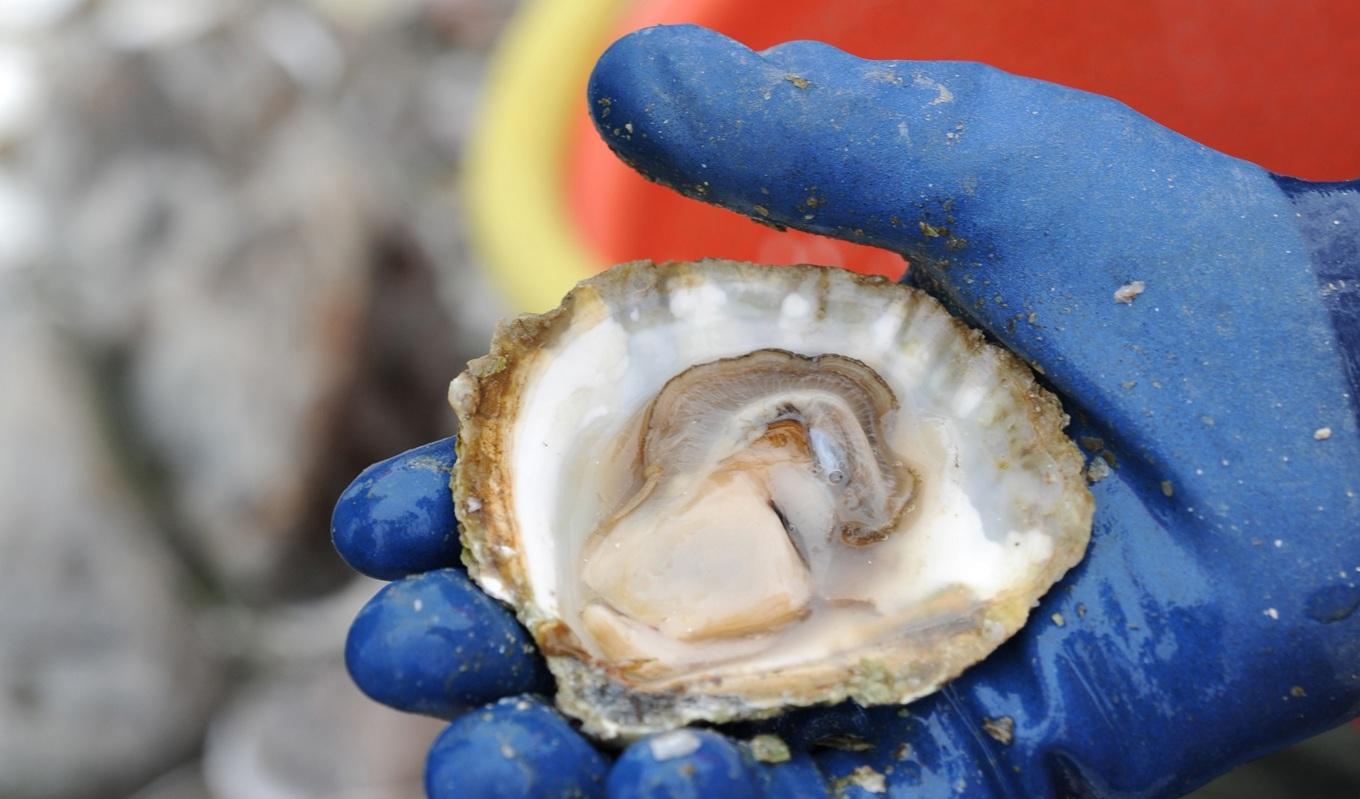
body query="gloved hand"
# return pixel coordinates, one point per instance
(1213, 617)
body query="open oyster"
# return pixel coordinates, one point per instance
(714, 490)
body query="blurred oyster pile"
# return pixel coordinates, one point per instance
(231, 275)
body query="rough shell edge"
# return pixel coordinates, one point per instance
(485, 398)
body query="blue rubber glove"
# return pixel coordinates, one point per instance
(1213, 618)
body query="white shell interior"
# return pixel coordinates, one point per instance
(978, 529)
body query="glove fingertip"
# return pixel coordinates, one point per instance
(518, 747)
(684, 763)
(436, 645)
(397, 517)
(651, 92)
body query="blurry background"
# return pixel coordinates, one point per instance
(234, 270)
(232, 274)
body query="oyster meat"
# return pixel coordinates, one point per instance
(714, 490)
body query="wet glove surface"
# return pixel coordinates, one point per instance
(1200, 319)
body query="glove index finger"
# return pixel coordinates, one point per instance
(710, 118)
(894, 154)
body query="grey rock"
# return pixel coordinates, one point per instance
(34, 15)
(230, 306)
(151, 24)
(184, 782)
(245, 218)
(269, 330)
(102, 677)
(308, 734)
(244, 355)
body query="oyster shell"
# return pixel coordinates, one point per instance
(715, 490)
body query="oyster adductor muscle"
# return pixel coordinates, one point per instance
(714, 490)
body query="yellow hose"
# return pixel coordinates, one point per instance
(513, 169)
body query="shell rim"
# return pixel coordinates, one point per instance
(486, 399)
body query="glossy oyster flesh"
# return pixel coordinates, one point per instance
(715, 490)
